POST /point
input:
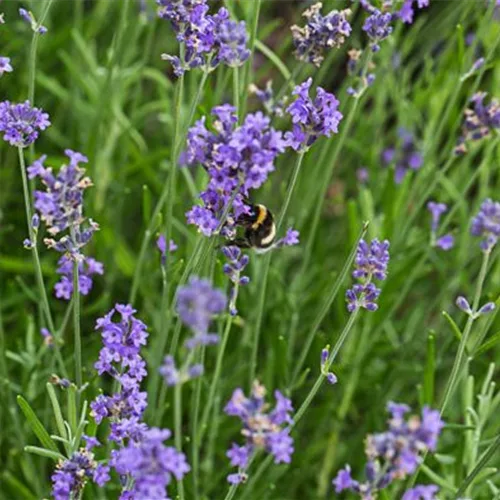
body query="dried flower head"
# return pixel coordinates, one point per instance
(320, 33)
(20, 123)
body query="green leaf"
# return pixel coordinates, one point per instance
(37, 426)
(430, 370)
(57, 413)
(55, 455)
(19, 487)
(489, 344)
(72, 417)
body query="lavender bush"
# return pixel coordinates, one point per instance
(292, 287)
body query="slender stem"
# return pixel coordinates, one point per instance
(333, 354)
(178, 430)
(266, 266)
(38, 267)
(76, 319)
(479, 466)
(236, 89)
(457, 363)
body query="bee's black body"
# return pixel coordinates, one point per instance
(260, 229)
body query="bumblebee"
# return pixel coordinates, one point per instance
(260, 229)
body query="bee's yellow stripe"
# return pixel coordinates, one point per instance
(261, 217)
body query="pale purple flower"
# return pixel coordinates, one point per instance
(344, 481)
(87, 267)
(320, 33)
(290, 239)
(30, 19)
(479, 121)
(463, 304)
(378, 27)
(447, 241)
(150, 464)
(48, 338)
(237, 262)
(421, 492)
(407, 10)
(5, 66)
(261, 427)
(405, 155)
(362, 174)
(486, 224)
(20, 123)
(312, 118)
(161, 244)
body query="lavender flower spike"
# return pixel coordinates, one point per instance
(21, 123)
(312, 118)
(486, 224)
(320, 33)
(421, 492)
(447, 241)
(378, 27)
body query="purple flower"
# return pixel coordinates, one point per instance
(20, 123)
(61, 204)
(87, 267)
(70, 475)
(447, 241)
(48, 339)
(197, 304)
(30, 19)
(370, 263)
(261, 427)
(173, 376)
(161, 244)
(320, 34)
(486, 224)
(232, 38)
(395, 453)
(290, 239)
(150, 464)
(405, 155)
(378, 27)
(5, 66)
(479, 121)
(363, 175)
(421, 492)
(236, 159)
(237, 262)
(312, 118)
(407, 9)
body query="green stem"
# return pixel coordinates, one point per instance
(457, 363)
(76, 319)
(38, 267)
(266, 266)
(236, 90)
(331, 358)
(178, 430)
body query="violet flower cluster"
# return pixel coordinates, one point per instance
(486, 224)
(446, 241)
(370, 263)
(236, 264)
(150, 464)
(421, 492)
(404, 155)
(20, 123)
(87, 267)
(463, 304)
(312, 118)
(237, 160)
(197, 304)
(408, 9)
(30, 19)
(120, 358)
(394, 454)
(320, 33)
(262, 429)
(161, 244)
(70, 475)
(479, 121)
(378, 27)
(209, 40)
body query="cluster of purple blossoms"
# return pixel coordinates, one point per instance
(422, 492)
(378, 27)
(209, 40)
(87, 267)
(312, 118)
(21, 122)
(197, 304)
(407, 10)
(150, 464)
(71, 474)
(370, 263)
(405, 156)
(233, 269)
(261, 428)
(320, 33)
(324, 366)
(486, 224)
(447, 241)
(30, 19)
(61, 204)
(479, 121)
(272, 105)
(394, 454)
(5, 66)
(237, 160)
(120, 357)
